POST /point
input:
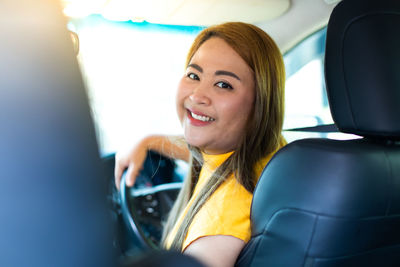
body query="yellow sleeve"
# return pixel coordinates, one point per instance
(227, 212)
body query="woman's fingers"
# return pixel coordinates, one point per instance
(131, 175)
(133, 161)
(135, 165)
(134, 158)
(120, 166)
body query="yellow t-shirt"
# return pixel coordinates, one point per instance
(226, 212)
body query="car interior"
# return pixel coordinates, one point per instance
(319, 202)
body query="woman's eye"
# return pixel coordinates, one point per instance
(224, 85)
(193, 76)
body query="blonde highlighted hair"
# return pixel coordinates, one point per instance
(264, 126)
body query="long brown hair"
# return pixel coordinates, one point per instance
(264, 126)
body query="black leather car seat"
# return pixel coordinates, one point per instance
(322, 202)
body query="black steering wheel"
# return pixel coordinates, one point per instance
(145, 206)
(142, 211)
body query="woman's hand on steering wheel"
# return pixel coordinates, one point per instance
(132, 160)
(170, 146)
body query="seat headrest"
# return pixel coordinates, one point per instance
(362, 67)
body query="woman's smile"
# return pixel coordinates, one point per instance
(199, 119)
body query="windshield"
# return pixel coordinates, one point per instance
(131, 71)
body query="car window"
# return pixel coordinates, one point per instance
(306, 102)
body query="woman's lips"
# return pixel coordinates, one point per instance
(198, 119)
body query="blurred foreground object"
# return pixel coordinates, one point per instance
(52, 200)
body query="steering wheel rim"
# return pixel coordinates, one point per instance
(130, 218)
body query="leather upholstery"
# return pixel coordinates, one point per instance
(322, 202)
(363, 67)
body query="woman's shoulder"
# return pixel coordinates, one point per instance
(230, 197)
(226, 212)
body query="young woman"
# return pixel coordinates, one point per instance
(230, 102)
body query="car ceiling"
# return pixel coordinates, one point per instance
(287, 21)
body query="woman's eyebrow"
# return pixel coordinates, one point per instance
(195, 66)
(228, 73)
(218, 72)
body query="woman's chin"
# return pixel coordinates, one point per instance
(194, 142)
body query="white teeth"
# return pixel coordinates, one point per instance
(201, 118)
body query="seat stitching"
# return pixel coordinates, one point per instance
(266, 226)
(311, 239)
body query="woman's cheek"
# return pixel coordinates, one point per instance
(180, 99)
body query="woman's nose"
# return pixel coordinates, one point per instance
(200, 95)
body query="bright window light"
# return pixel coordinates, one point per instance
(131, 71)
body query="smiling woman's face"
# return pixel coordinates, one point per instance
(215, 98)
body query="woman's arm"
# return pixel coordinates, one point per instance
(169, 146)
(217, 250)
